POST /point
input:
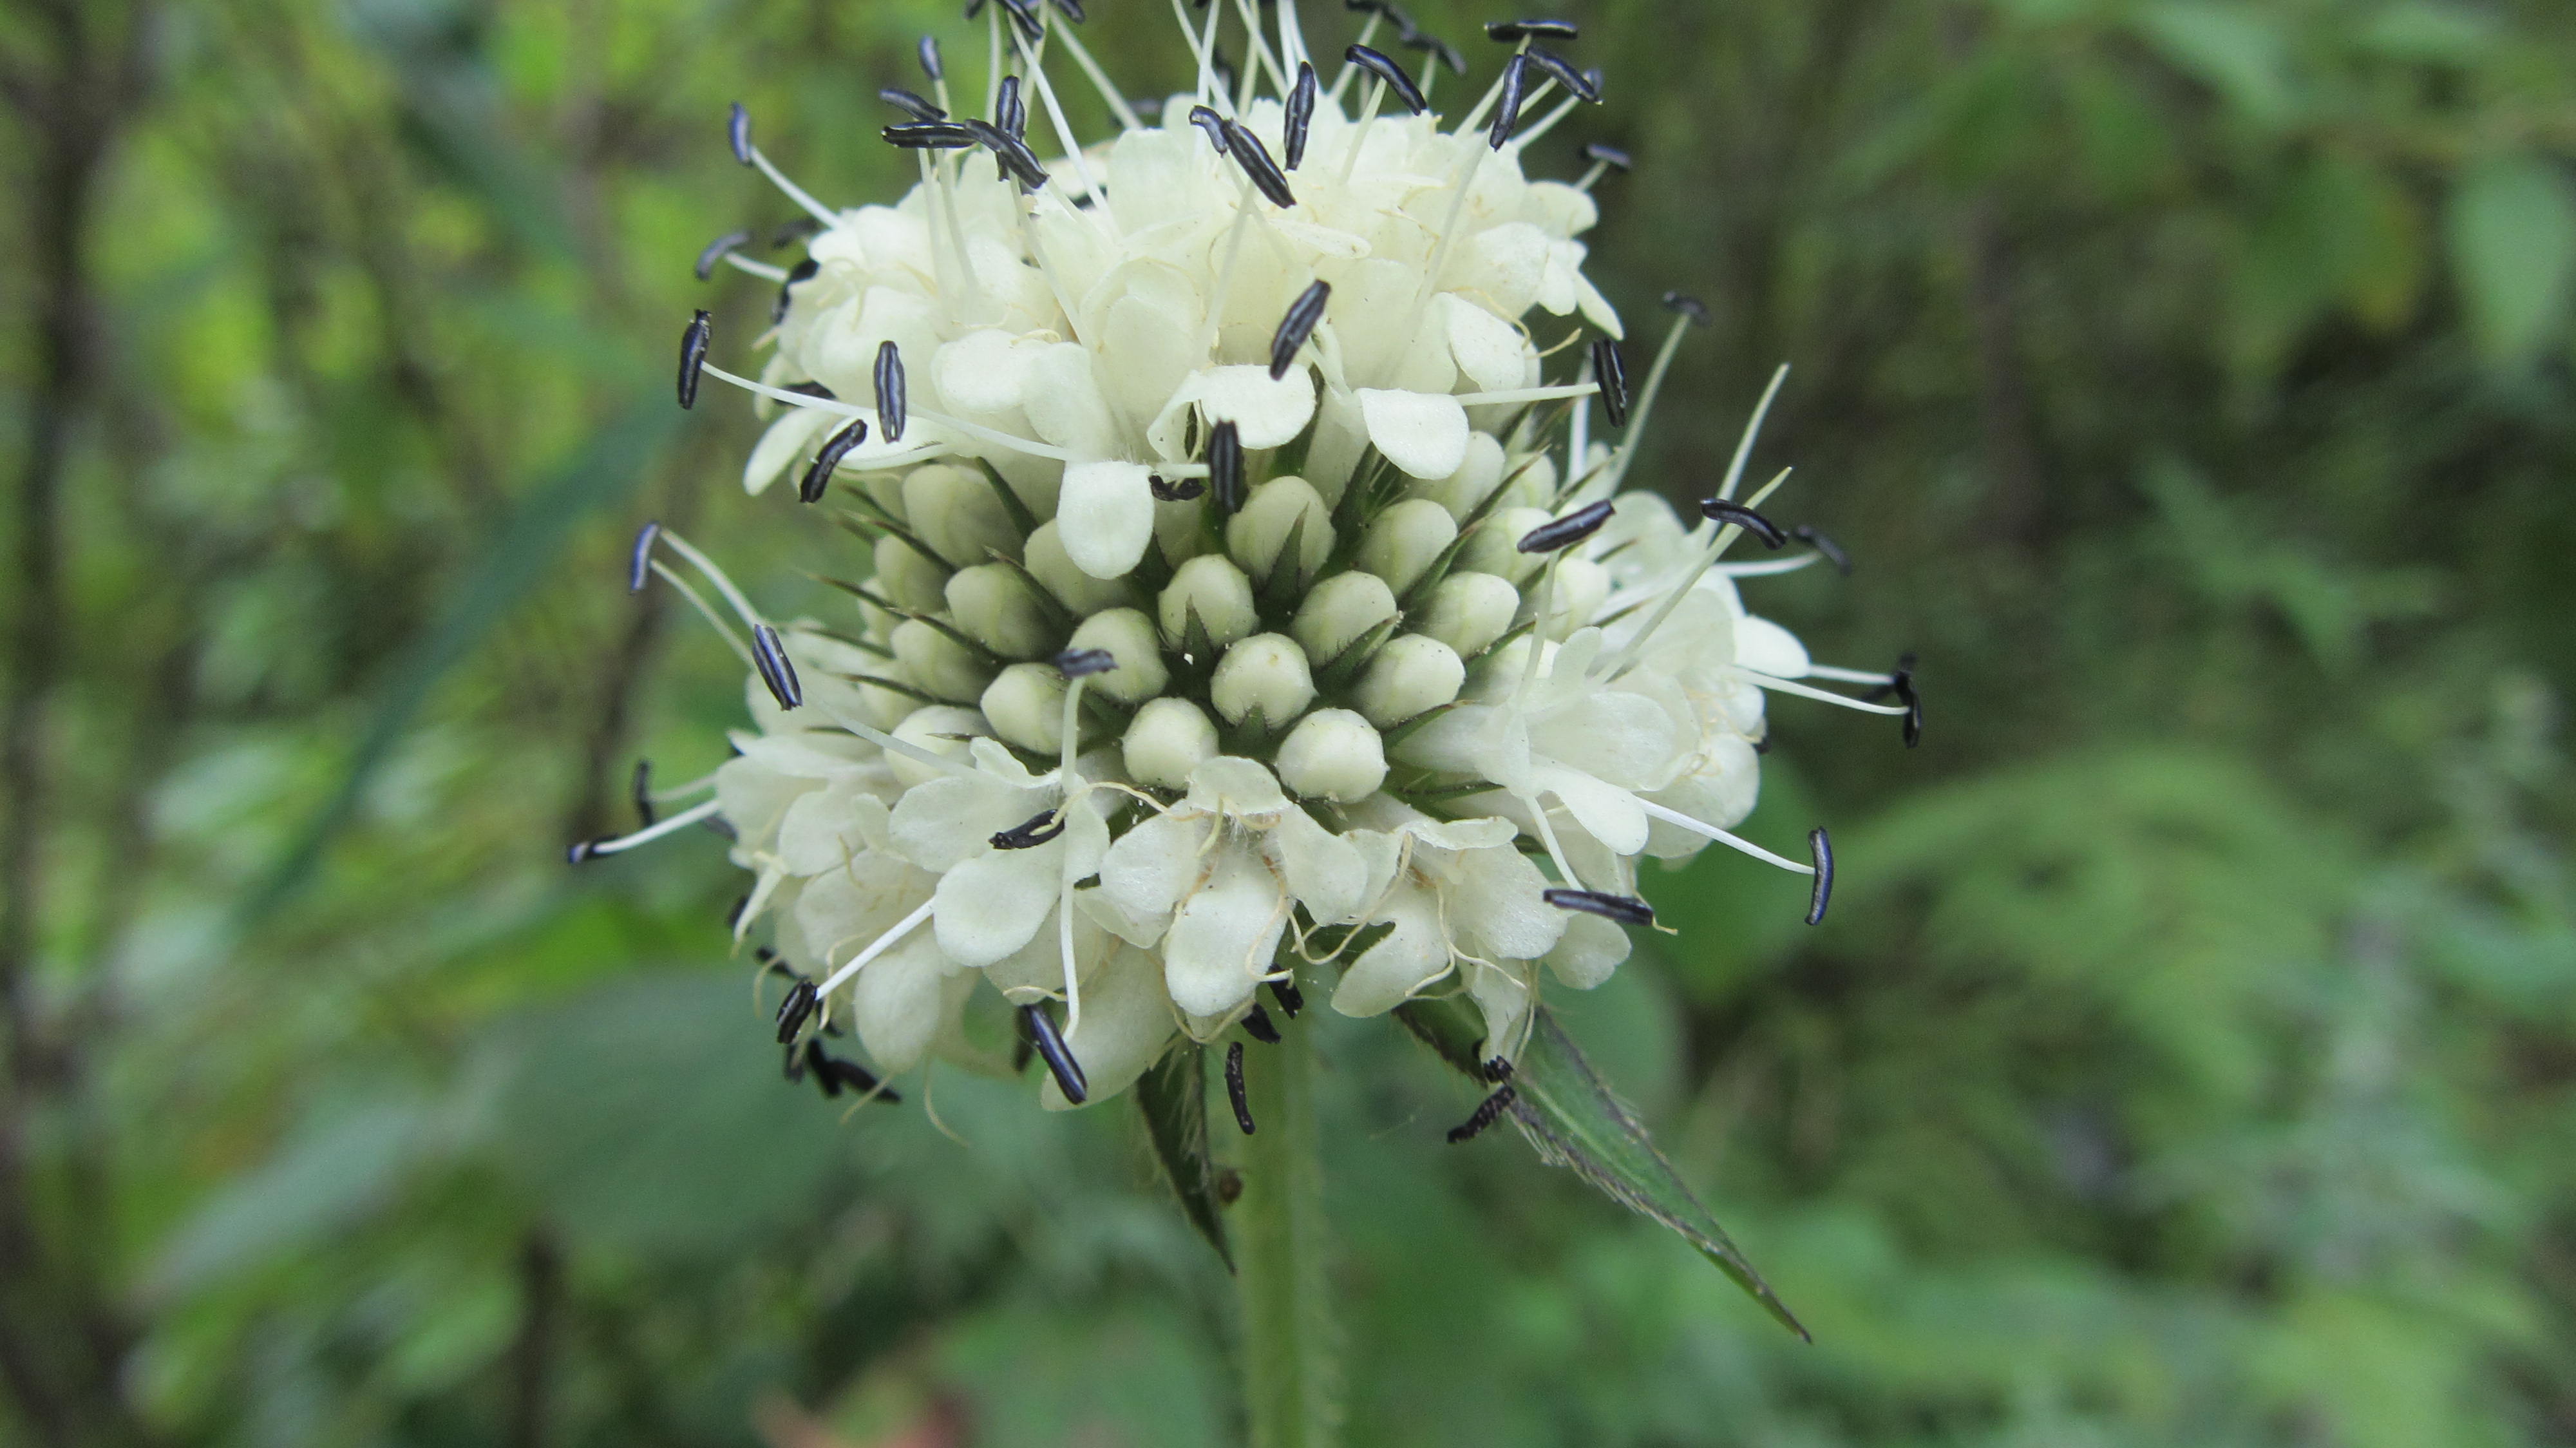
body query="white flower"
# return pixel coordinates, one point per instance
(1233, 592)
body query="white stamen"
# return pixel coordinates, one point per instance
(707, 611)
(760, 269)
(884, 943)
(1529, 134)
(1117, 103)
(1717, 546)
(1225, 272)
(848, 409)
(795, 193)
(650, 833)
(1368, 32)
(1529, 394)
(1592, 177)
(1752, 430)
(1709, 831)
(714, 575)
(1063, 135)
(1848, 676)
(1778, 685)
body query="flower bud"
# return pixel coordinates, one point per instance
(1576, 596)
(1217, 592)
(1169, 738)
(1405, 540)
(1266, 672)
(1079, 591)
(958, 514)
(1478, 475)
(1495, 548)
(1332, 754)
(1468, 611)
(908, 579)
(1129, 637)
(939, 665)
(1025, 703)
(1411, 674)
(943, 729)
(1276, 509)
(992, 603)
(1338, 611)
(1531, 482)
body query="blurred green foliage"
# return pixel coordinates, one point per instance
(2191, 1058)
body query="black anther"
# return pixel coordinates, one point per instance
(813, 389)
(1687, 305)
(832, 1074)
(1180, 492)
(1009, 111)
(1297, 326)
(738, 131)
(1030, 833)
(1081, 663)
(1496, 1070)
(1626, 909)
(1723, 511)
(929, 136)
(1562, 71)
(1301, 111)
(1820, 849)
(769, 656)
(1815, 538)
(919, 107)
(1234, 1086)
(693, 355)
(1291, 999)
(1212, 124)
(1024, 14)
(1059, 1058)
(1014, 154)
(1507, 112)
(1488, 1111)
(930, 62)
(818, 478)
(639, 790)
(718, 249)
(1564, 532)
(1539, 29)
(1612, 374)
(803, 271)
(1225, 466)
(891, 397)
(1610, 156)
(1254, 158)
(581, 852)
(1073, 10)
(800, 1002)
(639, 564)
(1378, 63)
(1256, 1024)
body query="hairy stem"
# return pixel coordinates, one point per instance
(1291, 1368)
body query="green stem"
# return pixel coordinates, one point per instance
(1291, 1370)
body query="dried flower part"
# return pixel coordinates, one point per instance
(1244, 583)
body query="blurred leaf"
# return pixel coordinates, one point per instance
(1133, 1377)
(337, 1167)
(2238, 50)
(1173, 1096)
(2513, 249)
(2427, 30)
(520, 556)
(650, 1114)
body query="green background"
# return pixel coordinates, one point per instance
(2190, 1060)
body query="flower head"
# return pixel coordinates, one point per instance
(1242, 599)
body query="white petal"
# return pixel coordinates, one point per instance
(992, 905)
(1493, 895)
(1489, 349)
(1412, 956)
(1765, 646)
(1422, 433)
(1322, 869)
(1591, 950)
(785, 441)
(1106, 516)
(1605, 811)
(945, 821)
(1063, 402)
(1126, 1020)
(898, 999)
(1265, 413)
(1154, 865)
(1222, 940)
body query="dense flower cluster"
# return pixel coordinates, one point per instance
(1246, 606)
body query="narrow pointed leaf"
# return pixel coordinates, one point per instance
(1173, 1095)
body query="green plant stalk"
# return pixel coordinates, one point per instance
(1291, 1360)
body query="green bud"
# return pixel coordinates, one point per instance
(1025, 703)
(956, 512)
(1129, 637)
(1169, 738)
(1532, 482)
(1077, 590)
(1266, 672)
(1340, 609)
(908, 579)
(1411, 674)
(938, 664)
(1478, 475)
(1332, 754)
(1468, 611)
(992, 603)
(1276, 508)
(943, 729)
(1576, 596)
(1217, 591)
(1405, 540)
(1495, 546)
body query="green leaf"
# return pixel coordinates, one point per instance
(1173, 1096)
(2239, 52)
(2513, 248)
(1574, 1119)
